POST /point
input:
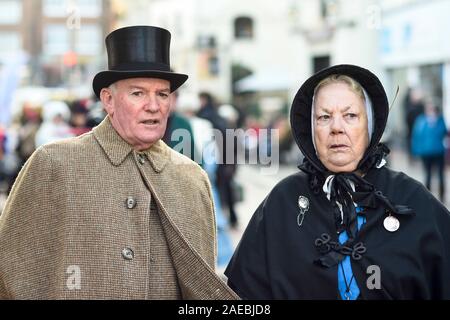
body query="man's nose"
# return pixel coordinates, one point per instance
(152, 104)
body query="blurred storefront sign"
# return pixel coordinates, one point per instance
(268, 80)
(414, 34)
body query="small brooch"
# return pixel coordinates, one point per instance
(303, 204)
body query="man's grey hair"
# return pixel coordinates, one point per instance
(112, 87)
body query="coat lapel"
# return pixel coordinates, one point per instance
(192, 270)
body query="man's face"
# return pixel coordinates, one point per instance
(340, 127)
(138, 108)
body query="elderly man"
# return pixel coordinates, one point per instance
(114, 213)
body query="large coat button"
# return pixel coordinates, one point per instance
(127, 254)
(131, 203)
(141, 158)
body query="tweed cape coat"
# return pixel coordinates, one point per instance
(68, 213)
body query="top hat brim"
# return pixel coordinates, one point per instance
(300, 116)
(104, 79)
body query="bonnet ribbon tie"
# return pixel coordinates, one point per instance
(340, 189)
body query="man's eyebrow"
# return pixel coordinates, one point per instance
(132, 87)
(137, 87)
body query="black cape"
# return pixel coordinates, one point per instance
(275, 258)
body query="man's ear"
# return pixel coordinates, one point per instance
(107, 100)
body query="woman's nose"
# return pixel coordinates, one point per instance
(337, 125)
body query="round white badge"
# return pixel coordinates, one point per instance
(391, 224)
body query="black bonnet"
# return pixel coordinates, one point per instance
(301, 109)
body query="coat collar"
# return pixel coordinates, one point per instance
(117, 149)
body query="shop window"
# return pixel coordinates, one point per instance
(243, 28)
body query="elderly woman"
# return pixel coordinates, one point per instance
(346, 226)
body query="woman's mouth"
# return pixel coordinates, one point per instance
(338, 146)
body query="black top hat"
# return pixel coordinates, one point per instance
(135, 52)
(302, 104)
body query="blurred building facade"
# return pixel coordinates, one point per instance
(63, 39)
(257, 49)
(415, 52)
(277, 46)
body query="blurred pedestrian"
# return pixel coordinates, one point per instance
(30, 122)
(207, 154)
(2, 141)
(177, 122)
(2, 153)
(429, 132)
(114, 213)
(346, 226)
(251, 143)
(55, 125)
(413, 107)
(285, 142)
(95, 115)
(227, 169)
(79, 117)
(232, 118)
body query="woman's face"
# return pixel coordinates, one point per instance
(340, 127)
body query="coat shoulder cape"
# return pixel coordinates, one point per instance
(275, 258)
(69, 207)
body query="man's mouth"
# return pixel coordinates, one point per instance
(150, 122)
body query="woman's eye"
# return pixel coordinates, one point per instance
(323, 117)
(137, 93)
(351, 115)
(163, 95)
